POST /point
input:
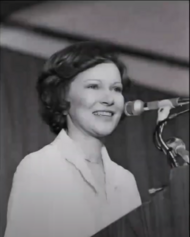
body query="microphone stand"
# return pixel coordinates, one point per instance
(159, 141)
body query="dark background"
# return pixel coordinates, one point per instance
(8, 7)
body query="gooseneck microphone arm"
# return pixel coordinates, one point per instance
(159, 141)
(173, 148)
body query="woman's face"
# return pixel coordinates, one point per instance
(96, 100)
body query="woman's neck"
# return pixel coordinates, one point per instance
(90, 145)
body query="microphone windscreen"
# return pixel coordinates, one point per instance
(133, 108)
(128, 109)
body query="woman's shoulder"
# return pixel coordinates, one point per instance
(37, 160)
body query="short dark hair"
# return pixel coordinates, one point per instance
(61, 68)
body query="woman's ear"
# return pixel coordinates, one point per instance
(66, 99)
(65, 112)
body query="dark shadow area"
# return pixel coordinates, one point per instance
(9, 7)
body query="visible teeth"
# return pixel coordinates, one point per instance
(103, 113)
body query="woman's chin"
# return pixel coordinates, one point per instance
(103, 132)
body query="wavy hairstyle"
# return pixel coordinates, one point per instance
(59, 71)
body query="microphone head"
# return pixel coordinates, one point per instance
(175, 143)
(134, 108)
(179, 148)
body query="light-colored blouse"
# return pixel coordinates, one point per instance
(54, 193)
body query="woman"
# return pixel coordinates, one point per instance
(71, 188)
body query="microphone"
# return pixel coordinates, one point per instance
(179, 148)
(134, 108)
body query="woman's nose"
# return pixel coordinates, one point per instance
(107, 99)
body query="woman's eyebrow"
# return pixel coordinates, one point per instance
(100, 81)
(93, 80)
(117, 82)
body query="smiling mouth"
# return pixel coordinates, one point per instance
(104, 113)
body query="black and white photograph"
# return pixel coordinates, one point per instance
(94, 119)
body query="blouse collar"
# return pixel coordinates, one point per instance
(74, 154)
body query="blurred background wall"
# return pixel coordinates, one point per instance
(153, 40)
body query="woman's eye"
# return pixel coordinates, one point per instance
(118, 89)
(93, 86)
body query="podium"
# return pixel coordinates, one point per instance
(166, 214)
